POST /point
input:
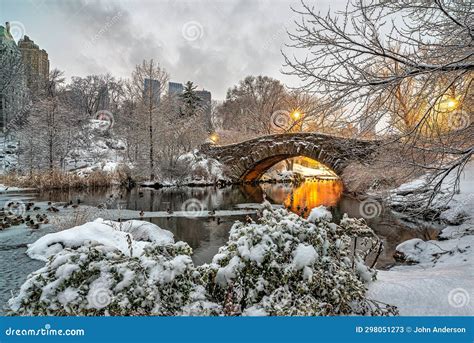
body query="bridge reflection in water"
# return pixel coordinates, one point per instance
(307, 195)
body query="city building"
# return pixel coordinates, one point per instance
(13, 93)
(36, 62)
(103, 100)
(5, 36)
(152, 89)
(175, 88)
(205, 105)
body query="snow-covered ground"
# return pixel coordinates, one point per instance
(98, 151)
(441, 281)
(194, 169)
(8, 153)
(298, 174)
(313, 172)
(202, 169)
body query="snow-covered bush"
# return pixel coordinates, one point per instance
(319, 213)
(282, 265)
(286, 265)
(102, 280)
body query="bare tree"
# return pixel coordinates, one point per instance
(147, 84)
(403, 67)
(50, 132)
(178, 134)
(250, 104)
(95, 92)
(306, 115)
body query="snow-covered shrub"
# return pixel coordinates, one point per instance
(282, 265)
(199, 304)
(319, 213)
(102, 280)
(286, 265)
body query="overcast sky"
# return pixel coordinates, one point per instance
(213, 43)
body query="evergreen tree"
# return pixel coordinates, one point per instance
(190, 100)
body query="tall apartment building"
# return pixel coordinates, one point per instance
(12, 97)
(35, 60)
(175, 88)
(205, 105)
(151, 88)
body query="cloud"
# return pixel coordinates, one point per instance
(237, 38)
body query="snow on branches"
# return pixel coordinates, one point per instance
(286, 265)
(280, 265)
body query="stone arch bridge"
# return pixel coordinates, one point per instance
(249, 160)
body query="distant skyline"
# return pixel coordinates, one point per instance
(212, 43)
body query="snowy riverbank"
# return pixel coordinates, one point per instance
(441, 279)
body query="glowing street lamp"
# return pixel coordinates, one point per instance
(296, 115)
(214, 137)
(448, 104)
(452, 103)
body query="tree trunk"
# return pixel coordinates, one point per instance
(152, 162)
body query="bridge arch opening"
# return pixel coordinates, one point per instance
(301, 164)
(317, 183)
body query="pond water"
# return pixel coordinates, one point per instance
(204, 235)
